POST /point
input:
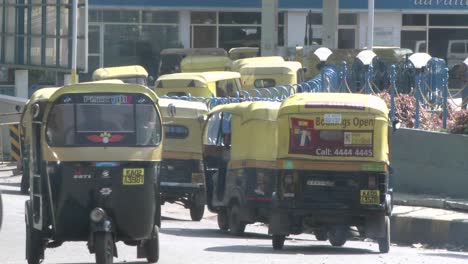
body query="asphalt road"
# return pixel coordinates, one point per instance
(184, 241)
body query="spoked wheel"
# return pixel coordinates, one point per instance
(152, 247)
(321, 234)
(236, 227)
(34, 241)
(337, 236)
(198, 207)
(384, 242)
(223, 220)
(104, 248)
(278, 241)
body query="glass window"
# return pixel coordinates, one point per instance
(316, 19)
(227, 88)
(414, 40)
(457, 47)
(148, 125)
(204, 36)
(109, 118)
(164, 17)
(240, 18)
(120, 16)
(414, 20)
(176, 131)
(281, 16)
(61, 125)
(346, 38)
(94, 39)
(95, 16)
(264, 83)
(212, 130)
(448, 20)
(230, 37)
(347, 19)
(203, 17)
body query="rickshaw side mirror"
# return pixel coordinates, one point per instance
(304, 69)
(396, 124)
(18, 108)
(202, 118)
(35, 110)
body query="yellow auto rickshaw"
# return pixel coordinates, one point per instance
(170, 59)
(238, 64)
(243, 52)
(128, 74)
(181, 173)
(205, 63)
(205, 84)
(239, 152)
(265, 75)
(333, 164)
(93, 152)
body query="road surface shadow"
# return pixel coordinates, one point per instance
(448, 255)
(209, 233)
(168, 218)
(292, 250)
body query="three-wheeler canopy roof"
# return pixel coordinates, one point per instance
(261, 110)
(287, 67)
(119, 72)
(183, 108)
(200, 51)
(201, 79)
(237, 64)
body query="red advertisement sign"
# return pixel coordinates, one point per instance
(308, 138)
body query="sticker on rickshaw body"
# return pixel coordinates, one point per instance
(107, 164)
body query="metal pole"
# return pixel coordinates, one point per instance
(74, 40)
(370, 25)
(445, 93)
(418, 95)
(392, 92)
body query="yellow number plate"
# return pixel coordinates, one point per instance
(134, 176)
(370, 197)
(358, 138)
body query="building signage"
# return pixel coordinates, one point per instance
(441, 2)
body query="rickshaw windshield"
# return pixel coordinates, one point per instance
(103, 119)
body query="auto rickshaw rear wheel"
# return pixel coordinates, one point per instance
(104, 248)
(152, 247)
(337, 236)
(223, 220)
(321, 234)
(197, 209)
(384, 243)
(278, 241)
(34, 241)
(236, 226)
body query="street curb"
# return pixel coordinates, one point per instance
(434, 203)
(437, 232)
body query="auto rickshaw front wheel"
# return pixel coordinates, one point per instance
(34, 241)
(104, 248)
(384, 243)
(152, 247)
(278, 241)
(197, 209)
(223, 220)
(236, 226)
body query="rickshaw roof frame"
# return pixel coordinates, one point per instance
(119, 72)
(204, 61)
(371, 103)
(42, 94)
(237, 64)
(247, 111)
(264, 68)
(237, 50)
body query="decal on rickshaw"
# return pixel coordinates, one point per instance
(105, 138)
(108, 99)
(80, 174)
(327, 136)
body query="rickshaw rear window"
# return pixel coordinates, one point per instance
(176, 131)
(103, 119)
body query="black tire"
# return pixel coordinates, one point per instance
(337, 236)
(278, 241)
(321, 234)
(384, 243)
(34, 241)
(157, 220)
(197, 210)
(152, 247)
(104, 248)
(223, 220)
(236, 227)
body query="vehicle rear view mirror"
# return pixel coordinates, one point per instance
(35, 110)
(18, 108)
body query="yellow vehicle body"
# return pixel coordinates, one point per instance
(128, 74)
(50, 153)
(205, 84)
(205, 63)
(264, 75)
(243, 52)
(344, 132)
(238, 64)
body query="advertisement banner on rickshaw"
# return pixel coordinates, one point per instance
(332, 135)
